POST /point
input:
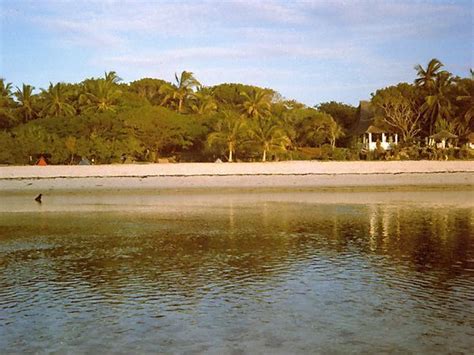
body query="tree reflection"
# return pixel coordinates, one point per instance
(235, 246)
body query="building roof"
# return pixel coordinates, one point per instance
(376, 130)
(365, 120)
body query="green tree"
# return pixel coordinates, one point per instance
(437, 105)
(26, 102)
(71, 146)
(269, 136)
(111, 77)
(5, 93)
(229, 132)
(464, 120)
(56, 101)
(335, 132)
(99, 96)
(8, 148)
(345, 115)
(427, 77)
(257, 104)
(316, 128)
(397, 108)
(149, 89)
(203, 103)
(7, 118)
(184, 89)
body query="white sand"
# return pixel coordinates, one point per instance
(293, 174)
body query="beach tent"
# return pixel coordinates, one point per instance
(84, 161)
(41, 161)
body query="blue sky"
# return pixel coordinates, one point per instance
(312, 51)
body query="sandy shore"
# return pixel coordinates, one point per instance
(294, 174)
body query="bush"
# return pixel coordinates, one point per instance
(340, 154)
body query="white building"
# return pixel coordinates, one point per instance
(374, 136)
(371, 135)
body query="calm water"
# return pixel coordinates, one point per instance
(251, 273)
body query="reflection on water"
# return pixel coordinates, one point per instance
(239, 275)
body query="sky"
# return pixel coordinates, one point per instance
(311, 51)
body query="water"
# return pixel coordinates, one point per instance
(289, 272)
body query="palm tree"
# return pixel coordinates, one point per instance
(427, 77)
(6, 104)
(204, 103)
(5, 91)
(228, 131)
(55, 101)
(445, 125)
(269, 135)
(437, 105)
(112, 77)
(99, 96)
(257, 104)
(177, 94)
(26, 100)
(466, 101)
(166, 91)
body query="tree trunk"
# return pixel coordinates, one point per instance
(231, 148)
(72, 159)
(264, 157)
(180, 105)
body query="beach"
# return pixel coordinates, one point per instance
(289, 174)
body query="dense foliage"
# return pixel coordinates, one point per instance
(148, 119)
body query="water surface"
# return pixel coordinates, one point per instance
(301, 272)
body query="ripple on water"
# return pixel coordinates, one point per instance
(302, 278)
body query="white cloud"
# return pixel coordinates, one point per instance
(84, 34)
(266, 42)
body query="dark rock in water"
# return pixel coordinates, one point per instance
(38, 198)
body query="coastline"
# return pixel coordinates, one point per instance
(288, 174)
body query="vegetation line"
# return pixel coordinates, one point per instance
(105, 120)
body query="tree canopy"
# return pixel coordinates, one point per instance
(110, 121)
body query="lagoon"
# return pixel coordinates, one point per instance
(238, 272)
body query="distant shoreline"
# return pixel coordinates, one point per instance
(289, 174)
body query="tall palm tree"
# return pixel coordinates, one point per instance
(55, 101)
(186, 84)
(466, 100)
(99, 96)
(257, 104)
(269, 135)
(26, 100)
(229, 131)
(427, 77)
(437, 105)
(177, 94)
(112, 77)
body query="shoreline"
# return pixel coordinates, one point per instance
(288, 174)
